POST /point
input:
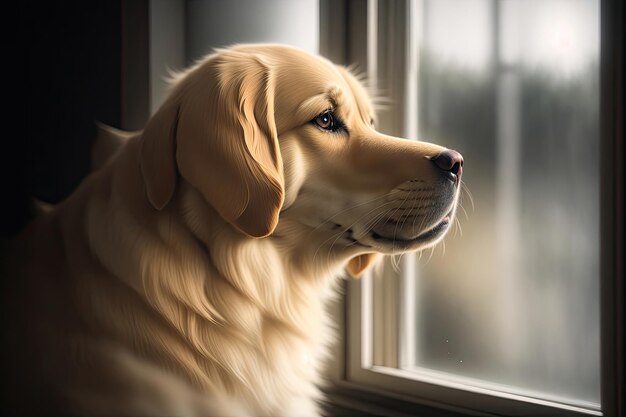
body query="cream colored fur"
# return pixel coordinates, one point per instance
(188, 275)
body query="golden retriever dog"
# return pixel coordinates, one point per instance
(188, 275)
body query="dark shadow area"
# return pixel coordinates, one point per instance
(68, 76)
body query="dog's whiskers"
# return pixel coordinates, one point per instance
(465, 188)
(432, 251)
(348, 229)
(377, 218)
(457, 227)
(422, 220)
(368, 225)
(330, 219)
(464, 211)
(395, 230)
(335, 237)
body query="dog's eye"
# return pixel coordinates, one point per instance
(327, 121)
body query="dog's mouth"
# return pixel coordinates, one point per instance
(423, 237)
(393, 243)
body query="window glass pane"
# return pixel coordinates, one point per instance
(513, 85)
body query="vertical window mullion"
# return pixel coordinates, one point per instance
(407, 342)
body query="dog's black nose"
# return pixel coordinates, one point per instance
(451, 162)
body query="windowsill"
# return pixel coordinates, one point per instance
(492, 389)
(346, 399)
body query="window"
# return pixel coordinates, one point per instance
(508, 319)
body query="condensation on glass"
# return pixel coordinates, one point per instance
(514, 300)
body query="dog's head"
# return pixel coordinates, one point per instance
(279, 140)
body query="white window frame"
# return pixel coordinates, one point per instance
(358, 384)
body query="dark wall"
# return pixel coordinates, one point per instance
(69, 77)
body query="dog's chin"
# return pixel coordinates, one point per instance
(392, 241)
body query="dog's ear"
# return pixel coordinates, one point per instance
(221, 121)
(357, 265)
(158, 164)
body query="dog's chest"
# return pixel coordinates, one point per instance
(279, 374)
(283, 372)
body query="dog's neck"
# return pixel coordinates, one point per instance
(271, 272)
